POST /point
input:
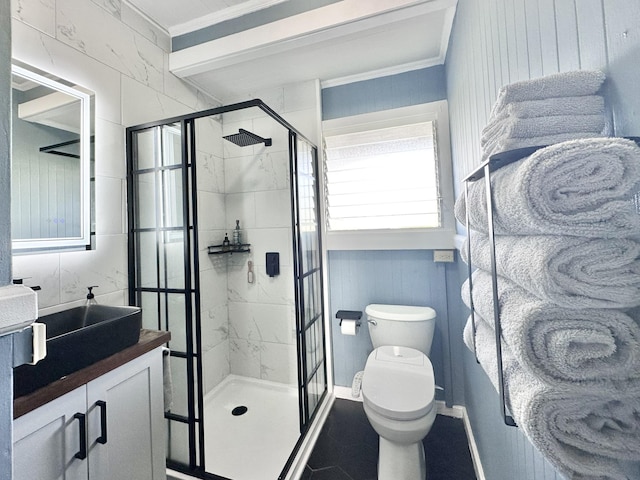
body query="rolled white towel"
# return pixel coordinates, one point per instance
(572, 272)
(581, 187)
(563, 347)
(565, 84)
(592, 433)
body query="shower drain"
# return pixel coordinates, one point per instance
(240, 410)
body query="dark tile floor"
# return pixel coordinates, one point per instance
(347, 448)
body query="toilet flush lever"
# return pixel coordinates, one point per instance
(372, 322)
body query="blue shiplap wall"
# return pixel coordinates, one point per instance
(5, 143)
(495, 42)
(6, 350)
(357, 278)
(403, 277)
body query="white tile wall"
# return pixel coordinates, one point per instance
(261, 315)
(218, 356)
(244, 357)
(106, 47)
(42, 18)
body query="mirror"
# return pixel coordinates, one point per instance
(51, 162)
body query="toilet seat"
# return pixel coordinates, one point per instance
(398, 383)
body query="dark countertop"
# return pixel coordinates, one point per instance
(149, 340)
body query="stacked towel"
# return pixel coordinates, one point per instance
(566, 84)
(521, 128)
(551, 107)
(544, 111)
(569, 347)
(568, 275)
(580, 187)
(594, 435)
(572, 272)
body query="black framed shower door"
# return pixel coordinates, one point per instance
(164, 265)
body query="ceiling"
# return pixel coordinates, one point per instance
(337, 43)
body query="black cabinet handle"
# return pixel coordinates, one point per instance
(82, 424)
(103, 422)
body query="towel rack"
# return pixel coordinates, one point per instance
(494, 162)
(484, 170)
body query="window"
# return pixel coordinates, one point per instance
(388, 179)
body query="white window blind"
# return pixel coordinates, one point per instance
(383, 179)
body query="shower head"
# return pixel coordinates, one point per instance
(244, 138)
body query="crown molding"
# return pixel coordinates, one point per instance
(383, 72)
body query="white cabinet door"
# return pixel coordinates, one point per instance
(47, 441)
(128, 402)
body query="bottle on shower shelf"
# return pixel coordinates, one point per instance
(226, 244)
(237, 236)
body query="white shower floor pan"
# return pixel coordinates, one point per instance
(256, 444)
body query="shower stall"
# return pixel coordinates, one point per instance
(246, 364)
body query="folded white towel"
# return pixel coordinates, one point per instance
(513, 127)
(565, 347)
(506, 144)
(581, 187)
(549, 107)
(592, 434)
(566, 84)
(572, 272)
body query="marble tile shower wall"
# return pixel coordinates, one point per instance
(261, 314)
(212, 224)
(249, 329)
(106, 47)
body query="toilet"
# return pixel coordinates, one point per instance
(398, 387)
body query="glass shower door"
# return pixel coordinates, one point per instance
(312, 368)
(161, 266)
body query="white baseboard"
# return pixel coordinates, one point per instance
(457, 411)
(473, 447)
(345, 393)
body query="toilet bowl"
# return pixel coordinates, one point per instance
(398, 390)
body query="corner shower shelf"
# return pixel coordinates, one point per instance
(219, 249)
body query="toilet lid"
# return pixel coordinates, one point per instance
(398, 383)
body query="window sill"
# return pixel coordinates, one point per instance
(436, 239)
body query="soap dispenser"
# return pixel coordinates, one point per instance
(91, 298)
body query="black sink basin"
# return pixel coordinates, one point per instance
(76, 338)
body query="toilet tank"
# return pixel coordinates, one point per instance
(401, 325)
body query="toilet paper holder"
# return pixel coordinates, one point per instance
(349, 315)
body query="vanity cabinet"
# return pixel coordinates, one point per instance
(110, 428)
(46, 440)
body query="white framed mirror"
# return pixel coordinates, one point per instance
(51, 162)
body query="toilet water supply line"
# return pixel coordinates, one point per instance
(356, 385)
